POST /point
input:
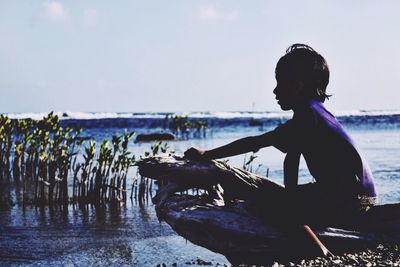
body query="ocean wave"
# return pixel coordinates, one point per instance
(371, 113)
(198, 115)
(73, 115)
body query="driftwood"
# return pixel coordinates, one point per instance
(227, 219)
(184, 174)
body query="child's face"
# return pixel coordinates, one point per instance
(288, 91)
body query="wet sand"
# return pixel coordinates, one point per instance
(382, 255)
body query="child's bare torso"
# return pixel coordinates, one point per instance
(331, 155)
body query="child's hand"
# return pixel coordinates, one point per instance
(195, 153)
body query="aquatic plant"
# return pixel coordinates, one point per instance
(156, 148)
(102, 176)
(42, 155)
(49, 163)
(54, 164)
(6, 129)
(248, 162)
(142, 188)
(184, 127)
(45, 162)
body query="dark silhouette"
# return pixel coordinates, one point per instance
(343, 184)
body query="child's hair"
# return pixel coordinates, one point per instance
(305, 64)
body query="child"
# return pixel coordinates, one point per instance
(343, 181)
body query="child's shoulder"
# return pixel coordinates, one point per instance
(312, 114)
(315, 110)
(318, 107)
(307, 111)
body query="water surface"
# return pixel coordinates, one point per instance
(131, 234)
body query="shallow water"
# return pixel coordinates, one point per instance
(88, 235)
(132, 235)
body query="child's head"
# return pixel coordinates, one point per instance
(306, 70)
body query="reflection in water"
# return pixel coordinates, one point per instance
(5, 194)
(116, 234)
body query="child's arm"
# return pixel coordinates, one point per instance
(244, 145)
(291, 169)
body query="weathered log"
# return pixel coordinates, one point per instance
(237, 183)
(235, 228)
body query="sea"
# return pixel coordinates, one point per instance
(131, 234)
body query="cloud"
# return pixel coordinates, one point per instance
(54, 11)
(90, 16)
(212, 13)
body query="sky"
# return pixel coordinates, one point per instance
(190, 55)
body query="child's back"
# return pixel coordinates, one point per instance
(343, 180)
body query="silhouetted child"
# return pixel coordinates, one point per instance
(343, 181)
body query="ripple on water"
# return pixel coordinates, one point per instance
(92, 236)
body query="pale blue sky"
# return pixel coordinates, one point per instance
(190, 55)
